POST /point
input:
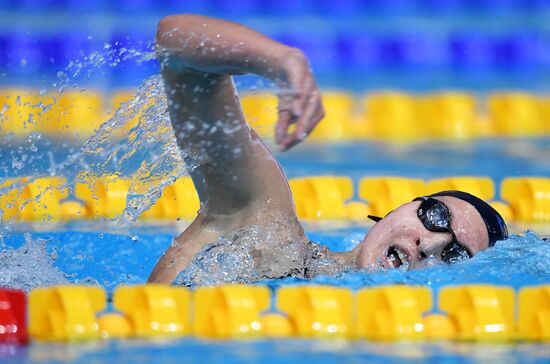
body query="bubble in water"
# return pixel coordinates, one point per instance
(29, 266)
(17, 164)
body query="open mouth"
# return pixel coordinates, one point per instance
(396, 257)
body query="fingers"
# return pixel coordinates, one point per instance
(282, 126)
(300, 104)
(309, 118)
(286, 115)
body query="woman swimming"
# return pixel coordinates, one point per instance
(246, 203)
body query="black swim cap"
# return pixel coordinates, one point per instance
(496, 227)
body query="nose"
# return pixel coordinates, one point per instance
(432, 245)
(421, 254)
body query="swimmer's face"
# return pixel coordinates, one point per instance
(401, 240)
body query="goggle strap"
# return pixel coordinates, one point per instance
(374, 218)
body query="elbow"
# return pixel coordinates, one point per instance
(174, 40)
(169, 27)
(170, 22)
(165, 28)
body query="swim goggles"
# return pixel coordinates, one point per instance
(436, 217)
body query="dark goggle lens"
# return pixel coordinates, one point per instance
(454, 253)
(434, 215)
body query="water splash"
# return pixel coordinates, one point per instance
(267, 250)
(138, 141)
(29, 266)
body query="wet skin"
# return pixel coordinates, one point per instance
(238, 180)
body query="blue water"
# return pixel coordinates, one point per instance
(192, 351)
(405, 49)
(113, 259)
(85, 253)
(496, 158)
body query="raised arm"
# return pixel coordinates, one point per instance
(234, 173)
(219, 47)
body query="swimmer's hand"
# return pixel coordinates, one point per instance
(299, 101)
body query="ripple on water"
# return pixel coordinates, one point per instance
(113, 259)
(518, 261)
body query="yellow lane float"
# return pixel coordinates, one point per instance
(544, 108)
(155, 309)
(104, 196)
(515, 114)
(338, 113)
(318, 311)
(276, 325)
(439, 327)
(114, 326)
(77, 114)
(482, 187)
(178, 201)
(10, 198)
(321, 197)
(33, 198)
(261, 112)
(395, 312)
(392, 116)
(534, 313)
(529, 197)
(73, 210)
(21, 111)
(65, 312)
(315, 197)
(448, 114)
(503, 209)
(357, 210)
(392, 312)
(230, 311)
(480, 312)
(384, 194)
(42, 198)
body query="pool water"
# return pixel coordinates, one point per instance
(111, 259)
(274, 351)
(96, 253)
(364, 50)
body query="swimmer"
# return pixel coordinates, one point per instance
(239, 182)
